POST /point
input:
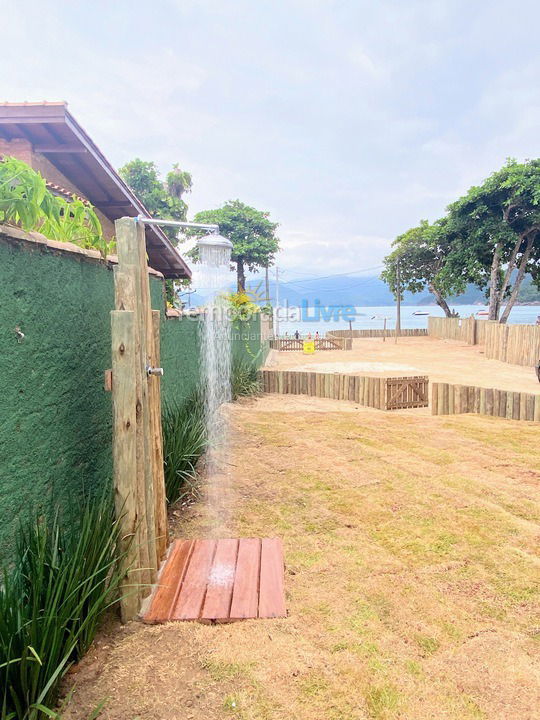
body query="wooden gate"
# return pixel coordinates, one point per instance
(137, 440)
(286, 344)
(407, 392)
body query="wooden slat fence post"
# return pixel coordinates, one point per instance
(141, 481)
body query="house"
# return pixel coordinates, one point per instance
(49, 139)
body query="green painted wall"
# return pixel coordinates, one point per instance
(55, 417)
(180, 358)
(246, 341)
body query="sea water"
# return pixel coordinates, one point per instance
(363, 318)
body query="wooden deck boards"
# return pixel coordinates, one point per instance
(220, 581)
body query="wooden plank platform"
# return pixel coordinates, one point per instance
(220, 581)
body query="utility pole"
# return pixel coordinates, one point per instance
(398, 301)
(267, 285)
(276, 324)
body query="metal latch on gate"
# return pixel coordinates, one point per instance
(154, 371)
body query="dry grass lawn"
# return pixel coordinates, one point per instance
(412, 578)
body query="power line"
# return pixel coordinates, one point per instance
(320, 277)
(363, 282)
(324, 277)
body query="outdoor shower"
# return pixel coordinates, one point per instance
(213, 271)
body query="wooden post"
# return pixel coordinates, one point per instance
(158, 471)
(131, 249)
(398, 301)
(141, 481)
(125, 456)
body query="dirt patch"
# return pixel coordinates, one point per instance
(411, 577)
(442, 360)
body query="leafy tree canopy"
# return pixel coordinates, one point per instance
(497, 229)
(162, 198)
(421, 253)
(489, 237)
(251, 232)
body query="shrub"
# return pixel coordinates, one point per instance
(51, 603)
(184, 441)
(26, 202)
(244, 378)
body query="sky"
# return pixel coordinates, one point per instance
(348, 120)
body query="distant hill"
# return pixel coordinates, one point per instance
(372, 291)
(360, 290)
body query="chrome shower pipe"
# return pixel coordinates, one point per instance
(176, 223)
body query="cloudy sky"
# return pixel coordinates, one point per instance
(349, 120)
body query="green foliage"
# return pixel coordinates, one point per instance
(162, 199)
(244, 378)
(490, 237)
(252, 234)
(51, 603)
(497, 227)
(26, 202)
(242, 307)
(421, 253)
(267, 310)
(184, 441)
(529, 293)
(77, 222)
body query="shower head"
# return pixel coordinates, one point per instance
(214, 240)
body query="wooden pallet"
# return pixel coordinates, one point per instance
(220, 581)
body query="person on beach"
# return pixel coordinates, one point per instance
(297, 335)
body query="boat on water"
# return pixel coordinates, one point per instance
(482, 312)
(421, 312)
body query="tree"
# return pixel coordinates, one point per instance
(251, 233)
(162, 199)
(497, 231)
(421, 253)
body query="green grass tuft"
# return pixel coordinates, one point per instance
(51, 603)
(184, 441)
(244, 379)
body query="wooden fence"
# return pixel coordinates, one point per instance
(326, 343)
(461, 329)
(515, 344)
(447, 399)
(376, 333)
(376, 392)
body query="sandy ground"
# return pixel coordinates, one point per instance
(442, 360)
(411, 577)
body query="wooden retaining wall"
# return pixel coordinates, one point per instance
(514, 344)
(376, 392)
(448, 399)
(376, 333)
